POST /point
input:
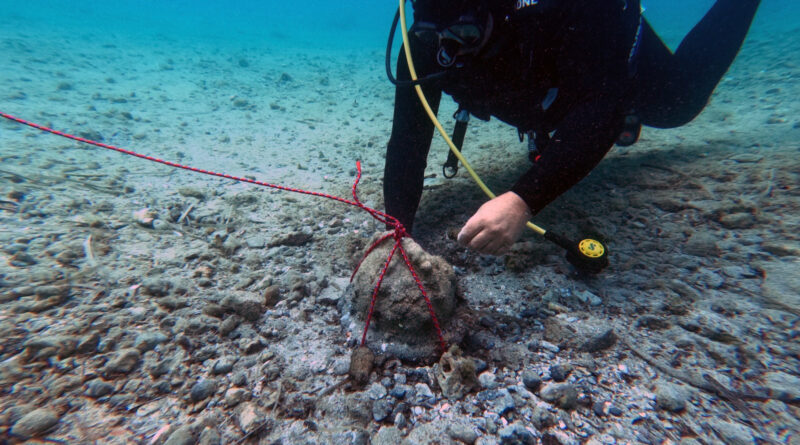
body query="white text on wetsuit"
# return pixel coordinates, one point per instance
(524, 3)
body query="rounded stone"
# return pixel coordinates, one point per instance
(531, 380)
(401, 319)
(670, 397)
(563, 395)
(97, 388)
(35, 423)
(202, 390)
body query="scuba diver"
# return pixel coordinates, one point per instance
(573, 76)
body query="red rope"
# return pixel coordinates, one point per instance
(398, 231)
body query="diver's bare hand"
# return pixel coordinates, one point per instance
(496, 225)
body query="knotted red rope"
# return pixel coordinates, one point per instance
(398, 231)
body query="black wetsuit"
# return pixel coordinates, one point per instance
(569, 72)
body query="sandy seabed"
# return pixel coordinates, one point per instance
(143, 304)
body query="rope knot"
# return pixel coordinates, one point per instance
(399, 231)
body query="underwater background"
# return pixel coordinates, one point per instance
(144, 304)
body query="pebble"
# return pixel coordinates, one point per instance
(423, 394)
(516, 433)
(249, 307)
(235, 396)
(381, 409)
(124, 362)
(784, 387)
(588, 297)
(462, 432)
(388, 435)
(670, 397)
(376, 391)
(249, 417)
(599, 408)
(399, 391)
(733, 433)
(228, 325)
(97, 388)
(147, 341)
(600, 341)
(497, 401)
(531, 380)
(560, 372)
(209, 436)
(157, 287)
(202, 390)
(563, 395)
(184, 435)
(35, 423)
(222, 366)
(487, 380)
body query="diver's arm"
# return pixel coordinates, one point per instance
(407, 151)
(581, 140)
(594, 78)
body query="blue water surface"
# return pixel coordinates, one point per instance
(355, 24)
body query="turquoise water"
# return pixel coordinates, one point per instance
(314, 23)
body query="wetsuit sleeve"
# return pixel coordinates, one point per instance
(407, 151)
(593, 80)
(581, 141)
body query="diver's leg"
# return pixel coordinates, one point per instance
(407, 150)
(674, 88)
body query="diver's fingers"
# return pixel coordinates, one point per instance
(468, 232)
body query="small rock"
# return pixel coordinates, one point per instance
(423, 394)
(541, 418)
(733, 433)
(376, 391)
(229, 324)
(455, 374)
(670, 397)
(782, 386)
(272, 295)
(184, 435)
(202, 390)
(462, 432)
(487, 380)
(516, 433)
(161, 368)
(222, 366)
(531, 380)
(587, 297)
(702, 244)
(381, 409)
(738, 221)
(157, 287)
(214, 310)
(399, 391)
(497, 401)
(599, 408)
(235, 396)
(147, 341)
(563, 395)
(35, 423)
(388, 435)
(559, 372)
(361, 361)
(124, 362)
(246, 306)
(600, 342)
(97, 388)
(249, 418)
(209, 436)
